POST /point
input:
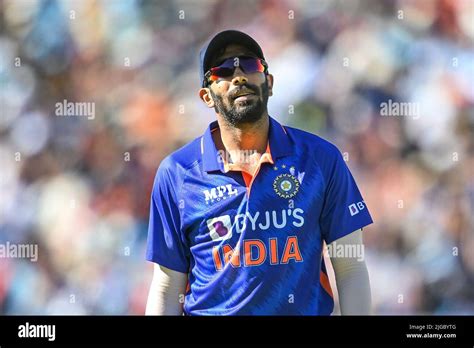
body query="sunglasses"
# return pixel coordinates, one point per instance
(247, 64)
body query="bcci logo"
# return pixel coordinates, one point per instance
(286, 185)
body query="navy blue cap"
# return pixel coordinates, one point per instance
(221, 40)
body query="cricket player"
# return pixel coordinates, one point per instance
(239, 217)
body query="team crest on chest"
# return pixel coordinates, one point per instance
(286, 185)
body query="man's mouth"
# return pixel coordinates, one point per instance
(244, 95)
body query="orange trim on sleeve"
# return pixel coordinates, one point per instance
(324, 280)
(188, 286)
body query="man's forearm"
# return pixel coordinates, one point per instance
(354, 290)
(352, 279)
(166, 293)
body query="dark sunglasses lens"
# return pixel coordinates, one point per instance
(251, 65)
(220, 72)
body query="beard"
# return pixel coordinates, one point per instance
(247, 111)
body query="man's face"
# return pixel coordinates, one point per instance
(240, 98)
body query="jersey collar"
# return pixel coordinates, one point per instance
(279, 143)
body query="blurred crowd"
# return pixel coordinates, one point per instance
(79, 187)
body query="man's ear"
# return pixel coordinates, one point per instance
(270, 84)
(206, 97)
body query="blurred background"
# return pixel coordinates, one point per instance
(79, 187)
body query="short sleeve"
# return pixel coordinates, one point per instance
(344, 209)
(166, 245)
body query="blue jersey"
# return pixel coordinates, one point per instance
(253, 246)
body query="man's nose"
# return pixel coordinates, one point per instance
(239, 78)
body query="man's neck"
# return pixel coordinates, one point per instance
(250, 136)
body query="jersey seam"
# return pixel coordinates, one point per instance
(186, 171)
